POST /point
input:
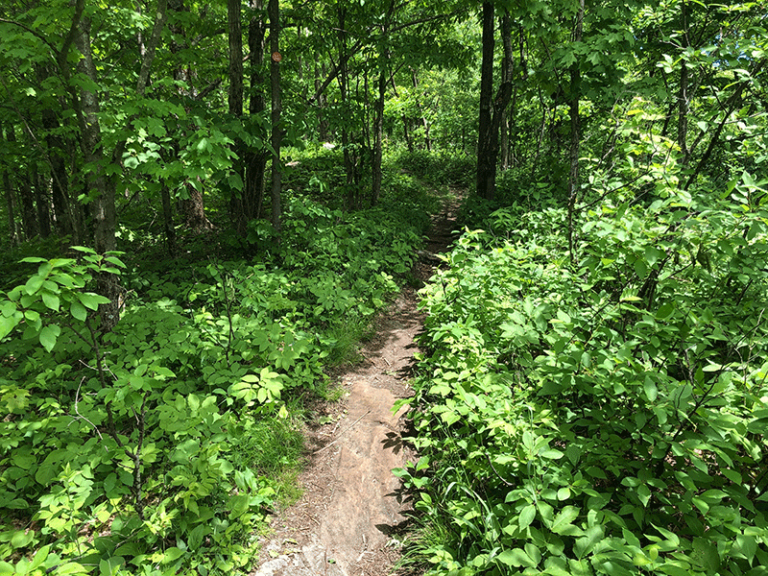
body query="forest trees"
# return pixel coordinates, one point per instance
(124, 105)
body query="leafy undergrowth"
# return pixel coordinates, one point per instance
(606, 416)
(159, 448)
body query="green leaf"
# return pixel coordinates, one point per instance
(172, 554)
(7, 324)
(562, 523)
(705, 554)
(91, 300)
(651, 391)
(78, 311)
(644, 494)
(34, 284)
(552, 454)
(516, 557)
(111, 566)
(115, 260)
(51, 301)
(574, 453)
(527, 515)
(48, 336)
(45, 474)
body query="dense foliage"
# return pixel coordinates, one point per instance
(162, 445)
(241, 182)
(601, 410)
(606, 417)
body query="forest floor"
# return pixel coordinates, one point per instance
(352, 516)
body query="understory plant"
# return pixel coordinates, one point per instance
(602, 411)
(159, 447)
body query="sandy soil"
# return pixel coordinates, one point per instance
(351, 518)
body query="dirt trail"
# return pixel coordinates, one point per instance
(349, 519)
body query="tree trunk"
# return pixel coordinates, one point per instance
(192, 208)
(235, 103)
(256, 160)
(97, 185)
(277, 137)
(323, 128)
(170, 231)
(378, 134)
(62, 204)
(28, 216)
(422, 117)
(343, 78)
(486, 163)
(41, 200)
(10, 201)
(573, 180)
(504, 144)
(682, 99)
(492, 111)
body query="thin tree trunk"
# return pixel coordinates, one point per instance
(62, 205)
(170, 231)
(103, 203)
(41, 200)
(486, 164)
(277, 137)
(488, 147)
(29, 222)
(378, 134)
(192, 208)
(731, 105)
(235, 102)
(682, 99)
(422, 117)
(343, 78)
(256, 161)
(323, 128)
(10, 203)
(573, 180)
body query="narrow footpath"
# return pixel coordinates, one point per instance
(351, 517)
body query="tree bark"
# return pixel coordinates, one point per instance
(192, 208)
(378, 135)
(573, 179)
(170, 231)
(41, 200)
(28, 217)
(277, 136)
(343, 79)
(422, 117)
(323, 126)
(10, 201)
(492, 110)
(486, 164)
(62, 205)
(98, 187)
(235, 103)
(256, 160)
(682, 99)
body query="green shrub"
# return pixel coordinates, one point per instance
(603, 417)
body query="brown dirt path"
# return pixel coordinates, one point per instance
(350, 518)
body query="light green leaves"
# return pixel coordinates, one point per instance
(48, 336)
(562, 524)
